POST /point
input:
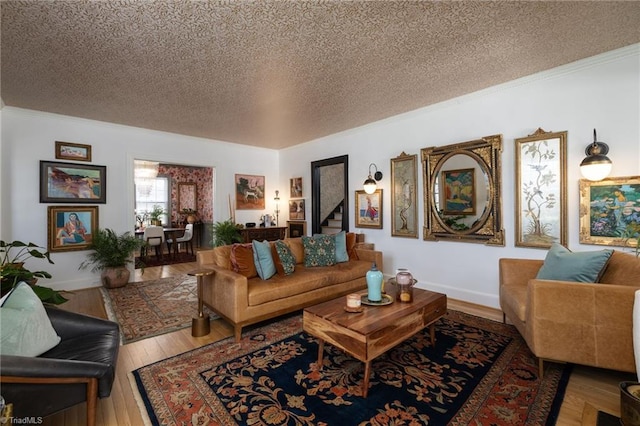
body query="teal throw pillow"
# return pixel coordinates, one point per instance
(563, 265)
(25, 328)
(263, 260)
(341, 247)
(286, 257)
(319, 250)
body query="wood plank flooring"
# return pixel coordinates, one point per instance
(596, 386)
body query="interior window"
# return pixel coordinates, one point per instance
(150, 193)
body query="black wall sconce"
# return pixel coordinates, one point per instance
(370, 184)
(596, 165)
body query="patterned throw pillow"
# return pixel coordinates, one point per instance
(287, 260)
(319, 250)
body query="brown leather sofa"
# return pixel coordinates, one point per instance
(581, 323)
(243, 301)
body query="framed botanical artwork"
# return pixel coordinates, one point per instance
(610, 211)
(249, 192)
(404, 203)
(541, 189)
(71, 228)
(296, 228)
(72, 183)
(457, 189)
(295, 187)
(73, 151)
(296, 210)
(369, 209)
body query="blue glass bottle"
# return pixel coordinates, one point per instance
(374, 284)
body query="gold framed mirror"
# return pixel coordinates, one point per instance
(461, 185)
(187, 196)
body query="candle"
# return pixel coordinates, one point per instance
(353, 301)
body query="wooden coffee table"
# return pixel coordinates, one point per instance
(376, 329)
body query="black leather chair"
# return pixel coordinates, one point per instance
(80, 368)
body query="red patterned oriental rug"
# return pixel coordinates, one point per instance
(150, 308)
(480, 372)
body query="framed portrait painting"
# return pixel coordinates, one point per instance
(296, 210)
(71, 228)
(404, 205)
(369, 209)
(73, 151)
(72, 183)
(249, 192)
(541, 189)
(610, 211)
(295, 188)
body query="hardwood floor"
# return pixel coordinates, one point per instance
(595, 386)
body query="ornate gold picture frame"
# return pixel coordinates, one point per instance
(610, 211)
(541, 189)
(404, 203)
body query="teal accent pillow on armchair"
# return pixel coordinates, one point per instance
(563, 265)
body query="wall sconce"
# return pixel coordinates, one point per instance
(370, 184)
(596, 165)
(277, 210)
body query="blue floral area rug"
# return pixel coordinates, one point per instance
(480, 372)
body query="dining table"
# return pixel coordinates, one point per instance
(169, 234)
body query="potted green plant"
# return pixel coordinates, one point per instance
(155, 215)
(225, 232)
(13, 255)
(111, 254)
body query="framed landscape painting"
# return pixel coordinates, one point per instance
(71, 228)
(73, 151)
(369, 209)
(72, 183)
(610, 211)
(458, 192)
(249, 192)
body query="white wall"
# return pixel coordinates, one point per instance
(602, 92)
(29, 136)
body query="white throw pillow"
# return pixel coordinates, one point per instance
(25, 328)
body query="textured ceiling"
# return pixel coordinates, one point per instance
(279, 73)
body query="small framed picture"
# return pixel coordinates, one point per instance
(73, 151)
(295, 187)
(72, 183)
(70, 228)
(296, 210)
(610, 211)
(369, 209)
(457, 188)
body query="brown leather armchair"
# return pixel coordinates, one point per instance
(80, 368)
(581, 323)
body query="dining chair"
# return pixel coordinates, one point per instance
(187, 239)
(153, 237)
